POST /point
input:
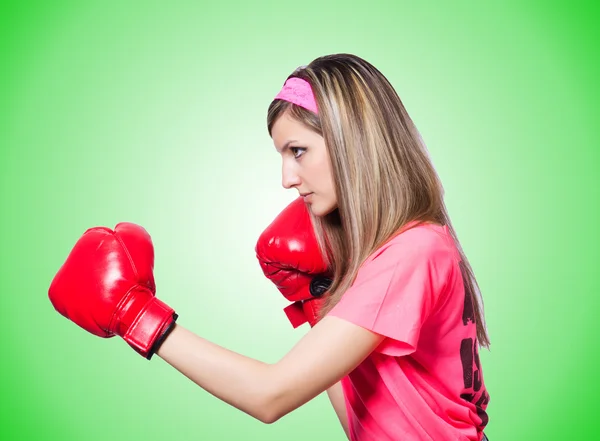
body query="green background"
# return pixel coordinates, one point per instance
(154, 113)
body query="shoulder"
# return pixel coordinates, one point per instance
(418, 242)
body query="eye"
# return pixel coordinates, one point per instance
(297, 151)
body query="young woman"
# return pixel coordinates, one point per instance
(402, 321)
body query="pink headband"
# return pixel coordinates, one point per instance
(298, 91)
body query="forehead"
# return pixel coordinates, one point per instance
(288, 129)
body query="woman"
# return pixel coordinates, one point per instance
(402, 320)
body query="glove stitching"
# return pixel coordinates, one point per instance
(115, 318)
(131, 262)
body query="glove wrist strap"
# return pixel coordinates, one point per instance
(151, 327)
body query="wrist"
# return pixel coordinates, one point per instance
(146, 322)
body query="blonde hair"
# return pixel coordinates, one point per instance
(383, 175)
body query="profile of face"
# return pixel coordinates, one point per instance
(306, 165)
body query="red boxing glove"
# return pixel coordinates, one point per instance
(310, 307)
(106, 286)
(289, 256)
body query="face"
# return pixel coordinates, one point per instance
(306, 165)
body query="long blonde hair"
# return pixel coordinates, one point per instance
(383, 175)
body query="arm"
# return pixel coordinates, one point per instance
(106, 286)
(336, 396)
(289, 256)
(328, 352)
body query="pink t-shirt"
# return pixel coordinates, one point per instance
(424, 382)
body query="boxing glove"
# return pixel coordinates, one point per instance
(106, 286)
(310, 307)
(289, 255)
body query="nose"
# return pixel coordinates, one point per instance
(289, 176)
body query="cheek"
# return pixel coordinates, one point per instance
(327, 175)
(320, 175)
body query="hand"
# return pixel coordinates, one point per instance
(290, 257)
(106, 286)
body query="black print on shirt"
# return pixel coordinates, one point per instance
(468, 314)
(466, 358)
(472, 376)
(469, 356)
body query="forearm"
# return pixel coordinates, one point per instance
(269, 391)
(240, 381)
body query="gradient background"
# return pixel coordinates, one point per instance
(155, 114)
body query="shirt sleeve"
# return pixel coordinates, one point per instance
(397, 289)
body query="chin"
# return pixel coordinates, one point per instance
(321, 209)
